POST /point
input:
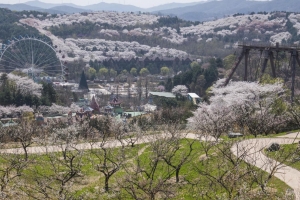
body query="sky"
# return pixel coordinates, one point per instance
(139, 3)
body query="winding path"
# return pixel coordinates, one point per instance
(250, 149)
(254, 155)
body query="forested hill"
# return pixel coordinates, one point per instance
(102, 35)
(211, 10)
(11, 27)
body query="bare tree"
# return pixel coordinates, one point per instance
(174, 156)
(24, 133)
(176, 148)
(145, 177)
(107, 155)
(13, 164)
(238, 170)
(53, 175)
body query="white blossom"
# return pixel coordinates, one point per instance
(250, 103)
(11, 110)
(26, 85)
(180, 89)
(55, 109)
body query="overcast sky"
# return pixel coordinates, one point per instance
(139, 3)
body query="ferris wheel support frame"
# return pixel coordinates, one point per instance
(5, 47)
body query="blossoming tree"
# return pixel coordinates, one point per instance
(250, 107)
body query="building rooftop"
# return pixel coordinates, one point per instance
(193, 95)
(163, 94)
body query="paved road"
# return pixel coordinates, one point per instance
(291, 135)
(255, 156)
(86, 146)
(252, 147)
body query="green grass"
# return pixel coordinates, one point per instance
(288, 154)
(249, 136)
(192, 184)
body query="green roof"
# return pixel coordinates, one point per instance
(163, 94)
(118, 110)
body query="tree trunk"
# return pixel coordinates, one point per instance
(177, 175)
(25, 152)
(106, 188)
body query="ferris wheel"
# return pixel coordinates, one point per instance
(34, 57)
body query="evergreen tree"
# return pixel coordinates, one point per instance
(211, 75)
(49, 95)
(83, 84)
(169, 85)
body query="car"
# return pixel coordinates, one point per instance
(234, 135)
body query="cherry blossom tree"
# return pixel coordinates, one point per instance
(253, 107)
(12, 110)
(180, 89)
(57, 109)
(26, 85)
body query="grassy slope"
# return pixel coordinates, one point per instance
(90, 185)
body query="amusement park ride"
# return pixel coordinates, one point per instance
(34, 57)
(268, 52)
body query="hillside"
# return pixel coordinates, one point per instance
(109, 34)
(196, 11)
(218, 9)
(121, 41)
(11, 27)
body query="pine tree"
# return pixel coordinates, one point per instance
(83, 84)
(169, 85)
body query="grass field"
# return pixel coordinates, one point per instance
(143, 171)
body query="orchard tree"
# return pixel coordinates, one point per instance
(105, 158)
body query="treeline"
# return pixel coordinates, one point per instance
(199, 78)
(123, 66)
(10, 27)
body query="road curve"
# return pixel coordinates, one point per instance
(252, 152)
(251, 149)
